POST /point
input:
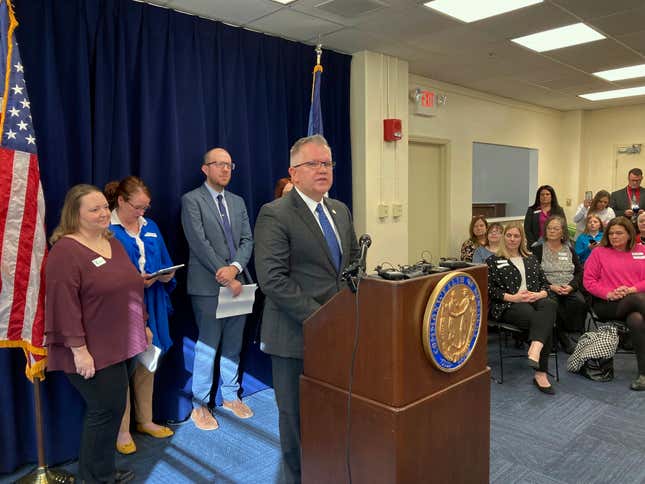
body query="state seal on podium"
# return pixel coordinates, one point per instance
(452, 321)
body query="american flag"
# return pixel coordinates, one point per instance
(315, 113)
(23, 245)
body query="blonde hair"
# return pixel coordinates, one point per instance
(69, 215)
(523, 251)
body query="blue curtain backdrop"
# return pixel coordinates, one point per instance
(119, 88)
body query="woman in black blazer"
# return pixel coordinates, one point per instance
(545, 205)
(517, 290)
(563, 270)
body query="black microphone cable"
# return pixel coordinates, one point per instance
(348, 430)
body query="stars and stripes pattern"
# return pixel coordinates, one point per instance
(23, 245)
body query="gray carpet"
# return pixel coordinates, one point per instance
(587, 433)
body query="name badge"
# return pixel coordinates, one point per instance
(563, 258)
(502, 263)
(537, 211)
(638, 255)
(150, 234)
(99, 261)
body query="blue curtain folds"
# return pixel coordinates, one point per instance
(119, 87)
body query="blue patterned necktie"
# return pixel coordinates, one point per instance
(227, 226)
(330, 236)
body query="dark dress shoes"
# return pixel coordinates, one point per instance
(548, 390)
(123, 475)
(533, 364)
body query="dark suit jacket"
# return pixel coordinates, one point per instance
(504, 277)
(532, 223)
(620, 202)
(207, 242)
(576, 281)
(295, 269)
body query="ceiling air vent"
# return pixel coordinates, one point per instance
(351, 8)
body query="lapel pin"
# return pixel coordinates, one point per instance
(333, 211)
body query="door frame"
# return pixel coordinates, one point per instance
(443, 215)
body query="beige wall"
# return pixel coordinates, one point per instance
(603, 131)
(576, 149)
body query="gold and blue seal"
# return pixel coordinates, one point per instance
(452, 321)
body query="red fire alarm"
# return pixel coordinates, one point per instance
(392, 130)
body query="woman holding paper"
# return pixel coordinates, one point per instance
(94, 323)
(129, 200)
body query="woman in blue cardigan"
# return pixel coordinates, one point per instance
(129, 199)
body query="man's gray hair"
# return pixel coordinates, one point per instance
(316, 139)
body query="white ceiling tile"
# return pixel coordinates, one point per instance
(237, 12)
(294, 25)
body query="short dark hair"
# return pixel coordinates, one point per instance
(635, 171)
(563, 225)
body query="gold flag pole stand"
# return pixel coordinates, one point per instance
(43, 474)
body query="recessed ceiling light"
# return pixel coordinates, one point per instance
(558, 38)
(622, 73)
(614, 94)
(473, 10)
(284, 2)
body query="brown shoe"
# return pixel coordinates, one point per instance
(204, 419)
(239, 408)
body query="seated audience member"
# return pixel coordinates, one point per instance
(282, 186)
(615, 275)
(477, 232)
(545, 205)
(94, 323)
(563, 270)
(599, 205)
(129, 200)
(590, 238)
(517, 290)
(494, 237)
(641, 227)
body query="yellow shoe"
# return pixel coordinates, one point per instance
(127, 448)
(161, 433)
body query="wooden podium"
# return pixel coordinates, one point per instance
(410, 422)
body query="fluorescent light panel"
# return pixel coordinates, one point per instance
(284, 2)
(621, 73)
(614, 94)
(473, 10)
(558, 38)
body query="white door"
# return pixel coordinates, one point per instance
(426, 201)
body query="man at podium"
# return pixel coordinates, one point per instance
(303, 241)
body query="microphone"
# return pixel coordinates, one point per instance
(364, 243)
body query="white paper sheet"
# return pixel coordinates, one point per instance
(150, 358)
(228, 306)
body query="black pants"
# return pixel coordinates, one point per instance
(572, 311)
(630, 309)
(286, 384)
(104, 396)
(538, 318)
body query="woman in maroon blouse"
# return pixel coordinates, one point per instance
(94, 323)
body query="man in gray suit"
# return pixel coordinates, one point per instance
(217, 229)
(625, 200)
(303, 241)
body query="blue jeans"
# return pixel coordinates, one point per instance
(213, 332)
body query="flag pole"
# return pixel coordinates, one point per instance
(43, 474)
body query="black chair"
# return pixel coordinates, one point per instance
(519, 335)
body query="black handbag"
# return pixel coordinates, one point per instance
(598, 369)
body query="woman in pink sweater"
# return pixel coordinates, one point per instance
(615, 276)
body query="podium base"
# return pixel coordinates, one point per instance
(443, 437)
(45, 475)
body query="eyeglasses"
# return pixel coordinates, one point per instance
(139, 209)
(221, 164)
(316, 164)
